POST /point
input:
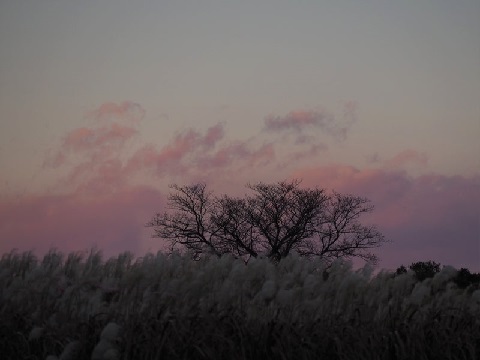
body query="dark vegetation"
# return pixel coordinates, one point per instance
(170, 307)
(424, 270)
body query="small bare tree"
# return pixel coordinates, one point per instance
(274, 220)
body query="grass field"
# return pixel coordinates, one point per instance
(80, 306)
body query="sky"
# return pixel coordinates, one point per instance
(104, 104)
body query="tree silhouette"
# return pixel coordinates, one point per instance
(272, 221)
(421, 269)
(425, 270)
(465, 278)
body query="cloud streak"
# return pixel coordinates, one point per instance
(406, 158)
(126, 110)
(301, 120)
(313, 151)
(191, 151)
(96, 159)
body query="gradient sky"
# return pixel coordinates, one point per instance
(103, 104)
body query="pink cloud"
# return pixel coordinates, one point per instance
(114, 223)
(103, 177)
(182, 145)
(312, 151)
(236, 157)
(192, 152)
(93, 156)
(296, 120)
(304, 139)
(79, 138)
(87, 153)
(171, 158)
(189, 142)
(427, 217)
(299, 120)
(213, 136)
(83, 139)
(262, 156)
(126, 110)
(96, 161)
(224, 156)
(407, 157)
(404, 159)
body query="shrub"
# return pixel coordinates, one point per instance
(464, 279)
(424, 270)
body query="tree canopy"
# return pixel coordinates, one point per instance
(272, 220)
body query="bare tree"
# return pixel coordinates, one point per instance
(339, 234)
(274, 220)
(191, 223)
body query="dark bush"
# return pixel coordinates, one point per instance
(424, 270)
(401, 270)
(464, 278)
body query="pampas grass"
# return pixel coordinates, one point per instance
(81, 306)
